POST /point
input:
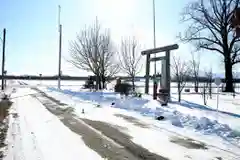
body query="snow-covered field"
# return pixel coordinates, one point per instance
(189, 130)
(76, 85)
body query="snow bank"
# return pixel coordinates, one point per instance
(151, 108)
(227, 104)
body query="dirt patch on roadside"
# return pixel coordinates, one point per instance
(4, 123)
(110, 143)
(188, 143)
(4, 107)
(132, 120)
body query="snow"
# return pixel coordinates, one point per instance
(226, 102)
(37, 134)
(220, 136)
(228, 113)
(176, 116)
(32, 131)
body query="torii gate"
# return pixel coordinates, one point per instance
(165, 73)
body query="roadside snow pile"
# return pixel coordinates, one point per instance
(202, 124)
(207, 126)
(98, 96)
(152, 108)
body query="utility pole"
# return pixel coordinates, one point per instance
(154, 33)
(3, 57)
(60, 48)
(5, 81)
(154, 45)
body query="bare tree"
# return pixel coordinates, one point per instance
(107, 62)
(195, 65)
(210, 29)
(204, 93)
(130, 58)
(207, 86)
(93, 51)
(209, 76)
(180, 70)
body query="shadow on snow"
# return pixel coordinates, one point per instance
(192, 105)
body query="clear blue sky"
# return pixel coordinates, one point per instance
(32, 29)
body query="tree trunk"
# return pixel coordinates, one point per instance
(179, 93)
(103, 84)
(196, 86)
(98, 82)
(103, 81)
(133, 84)
(179, 96)
(228, 75)
(210, 89)
(204, 96)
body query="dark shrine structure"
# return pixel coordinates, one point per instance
(165, 81)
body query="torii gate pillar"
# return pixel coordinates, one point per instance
(165, 75)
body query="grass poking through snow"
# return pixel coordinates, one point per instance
(5, 104)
